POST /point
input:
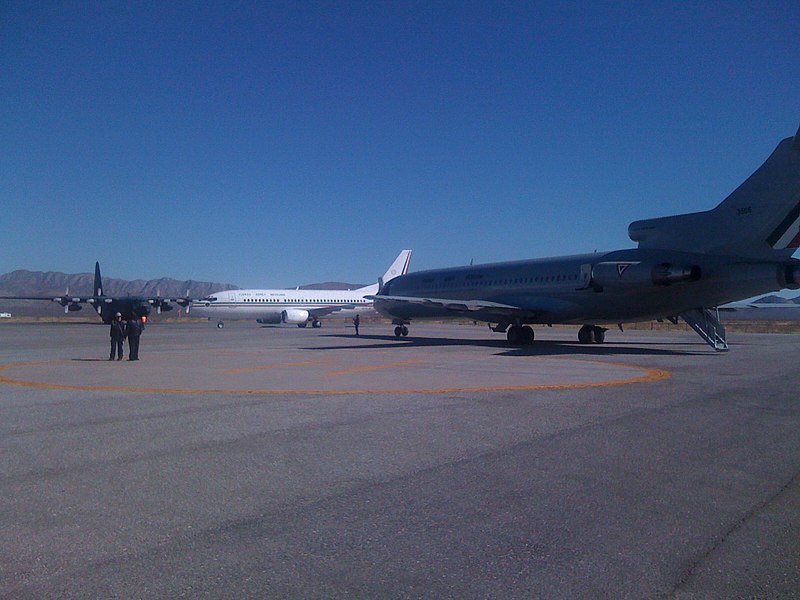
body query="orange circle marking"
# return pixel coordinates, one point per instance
(649, 375)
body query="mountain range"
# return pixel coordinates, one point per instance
(53, 283)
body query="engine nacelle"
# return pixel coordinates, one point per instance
(294, 316)
(667, 274)
(74, 307)
(271, 320)
(626, 274)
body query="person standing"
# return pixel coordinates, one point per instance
(356, 322)
(134, 330)
(117, 336)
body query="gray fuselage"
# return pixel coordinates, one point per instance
(600, 288)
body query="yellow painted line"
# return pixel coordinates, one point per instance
(300, 363)
(651, 375)
(367, 369)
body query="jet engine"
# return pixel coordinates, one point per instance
(667, 274)
(271, 320)
(792, 275)
(623, 274)
(294, 316)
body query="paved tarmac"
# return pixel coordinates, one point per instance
(277, 462)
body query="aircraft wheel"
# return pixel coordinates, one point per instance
(599, 335)
(398, 331)
(316, 324)
(220, 325)
(404, 331)
(514, 335)
(586, 334)
(526, 335)
(302, 325)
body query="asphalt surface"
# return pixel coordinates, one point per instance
(275, 462)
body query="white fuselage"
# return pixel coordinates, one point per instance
(287, 306)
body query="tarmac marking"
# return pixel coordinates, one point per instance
(650, 375)
(369, 368)
(300, 363)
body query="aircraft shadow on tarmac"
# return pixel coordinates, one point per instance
(538, 348)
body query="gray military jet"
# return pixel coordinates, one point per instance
(685, 267)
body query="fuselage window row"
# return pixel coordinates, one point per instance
(431, 284)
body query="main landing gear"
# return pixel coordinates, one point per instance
(315, 323)
(401, 330)
(592, 334)
(520, 335)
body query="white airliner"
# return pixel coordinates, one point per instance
(296, 306)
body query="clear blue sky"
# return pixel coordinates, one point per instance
(269, 144)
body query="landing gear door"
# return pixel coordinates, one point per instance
(586, 276)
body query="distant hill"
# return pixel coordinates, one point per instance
(775, 312)
(332, 285)
(51, 283)
(777, 300)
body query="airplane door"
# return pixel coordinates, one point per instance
(586, 276)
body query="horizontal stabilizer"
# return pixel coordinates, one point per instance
(760, 219)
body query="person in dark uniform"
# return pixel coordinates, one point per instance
(356, 322)
(117, 336)
(134, 330)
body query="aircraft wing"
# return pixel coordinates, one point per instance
(68, 300)
(329, 310)
(448, 303)
(744, 304)
(525, 308)
(62, 300)
(479, 309)
(180, 301)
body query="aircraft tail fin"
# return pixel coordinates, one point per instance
(398, 267)
(759, 219)
(98, 281)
